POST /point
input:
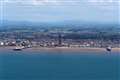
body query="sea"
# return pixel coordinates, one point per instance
(24, 65)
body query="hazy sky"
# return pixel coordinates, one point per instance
(60, 10)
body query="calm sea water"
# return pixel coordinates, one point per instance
(59, 66)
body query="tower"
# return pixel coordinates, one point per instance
(59, 39)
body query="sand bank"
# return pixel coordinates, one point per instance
(73, 49)
(57, 49)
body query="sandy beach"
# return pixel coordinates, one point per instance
(61, 49)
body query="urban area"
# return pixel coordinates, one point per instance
(60, 37)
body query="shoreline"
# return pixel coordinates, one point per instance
(60, 49)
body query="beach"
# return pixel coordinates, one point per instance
(60, 49)
(64, 49)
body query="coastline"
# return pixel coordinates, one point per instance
(61, 49)
(64, 49)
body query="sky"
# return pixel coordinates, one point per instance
(105, 11)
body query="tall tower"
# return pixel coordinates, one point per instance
(59, 39)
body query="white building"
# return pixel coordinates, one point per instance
(1, 43)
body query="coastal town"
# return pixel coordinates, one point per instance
(60, 43)
(59, 38)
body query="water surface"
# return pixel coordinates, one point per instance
(59, 66)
